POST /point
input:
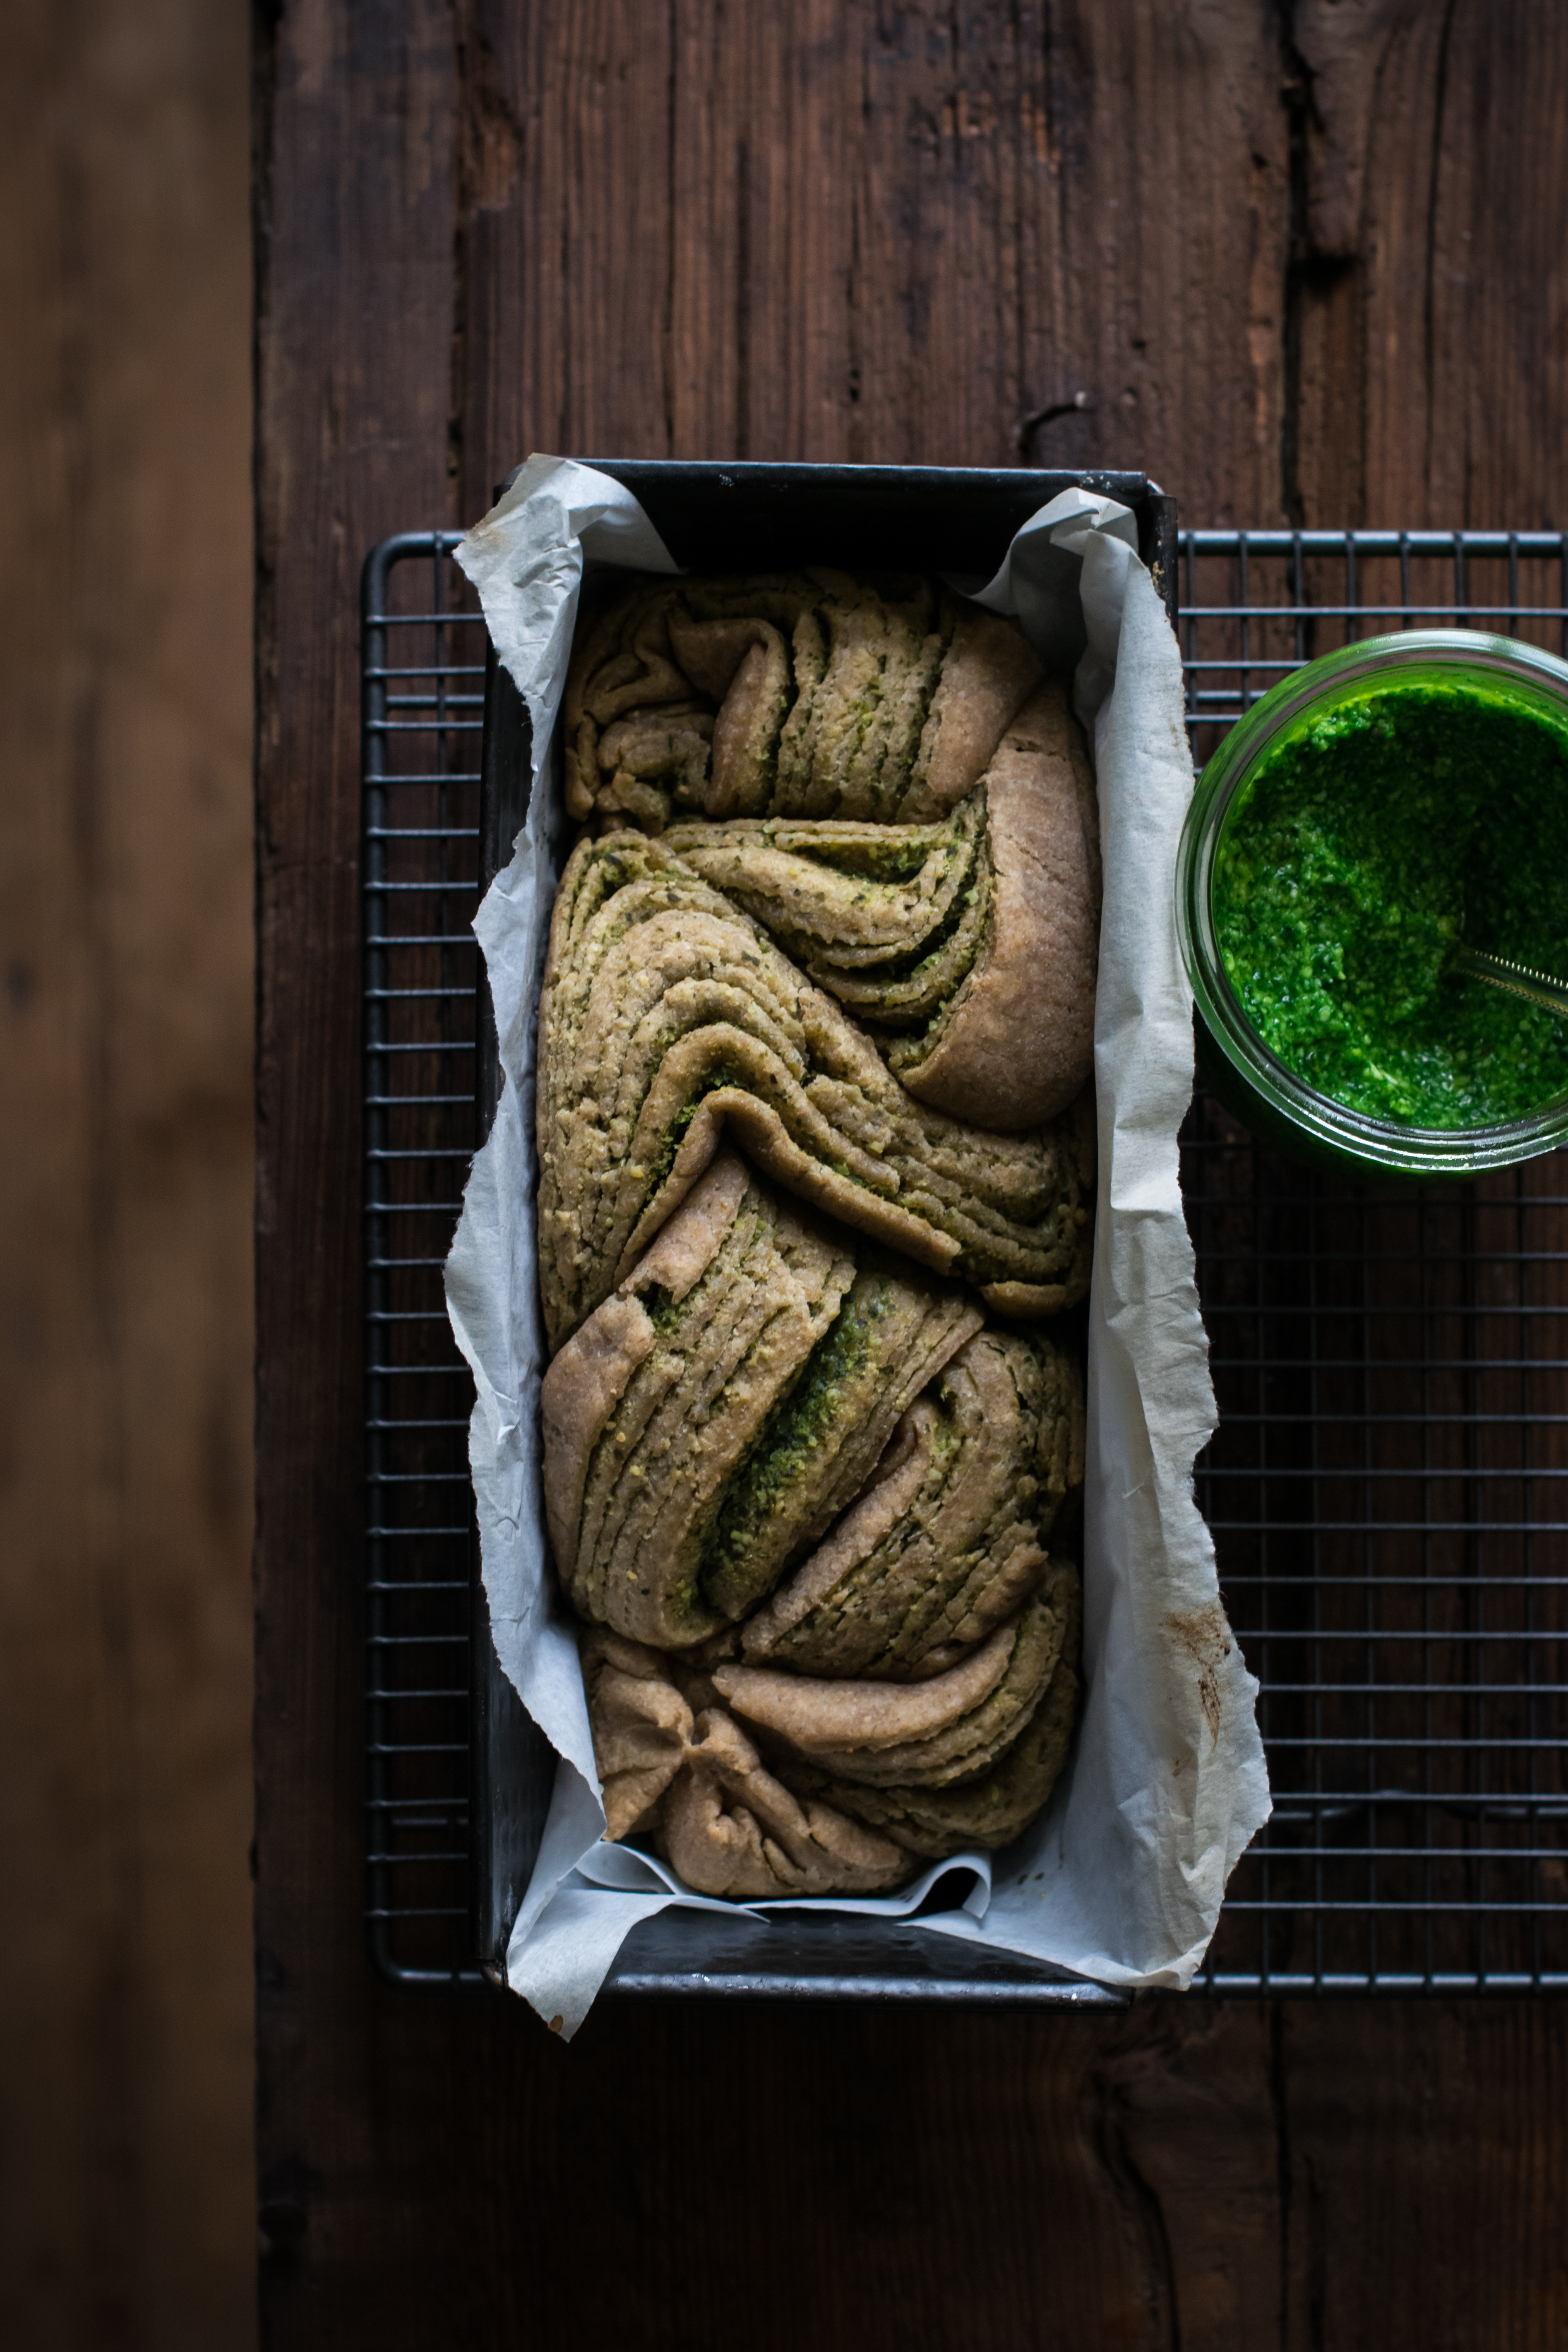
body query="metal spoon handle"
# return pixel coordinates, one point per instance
(1535, 987)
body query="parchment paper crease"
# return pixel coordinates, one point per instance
(1121, 1878)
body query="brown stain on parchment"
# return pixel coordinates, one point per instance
(1204, 1635)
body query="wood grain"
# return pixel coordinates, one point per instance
(1265, 248)
(355, 204)
(901, 235)
(1428, 287)
(125, 1183)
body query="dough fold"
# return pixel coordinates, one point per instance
(970, 946)
(669, 1019)
(949, 1539)
(814, 694)
(709, 1422)
(988, 1812)
(743, 1811)
(953, 1727)
(697, 1786)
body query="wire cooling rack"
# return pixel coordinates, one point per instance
(1386, 1489)
(424, 668)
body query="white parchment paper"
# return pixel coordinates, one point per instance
(1121, 1878)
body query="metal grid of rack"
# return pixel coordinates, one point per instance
(1386, 1489)
(424, 668)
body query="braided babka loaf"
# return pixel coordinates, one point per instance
(813, 1111)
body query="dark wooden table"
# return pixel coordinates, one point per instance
(1302, 264)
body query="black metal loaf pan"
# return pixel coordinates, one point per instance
(755, 517)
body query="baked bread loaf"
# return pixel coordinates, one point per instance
(816, 695)
(813, 1111)
(669, 1019)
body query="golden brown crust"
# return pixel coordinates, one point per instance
(802, 1492)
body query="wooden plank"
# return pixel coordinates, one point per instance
(863, 232)
(125, 1185)
(765, 212)
(355, 292)
(1428, 285)
(1424, 2165)
(854, 243)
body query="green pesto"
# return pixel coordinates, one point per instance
(1369, 840)
(662, 1308)
(900, 968)
(797, 1425)
(910, 1051)
(721, 1074)
(897, 858)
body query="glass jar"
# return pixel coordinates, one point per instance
(1233, 1059)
